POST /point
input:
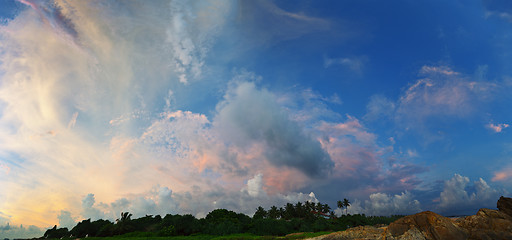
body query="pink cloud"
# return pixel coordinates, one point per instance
(437, 70)
(497, 127)
(502, 175)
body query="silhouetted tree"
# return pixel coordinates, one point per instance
(56, 232)
(346, 204)
(273, 212)
(260, 213)
(123, 224)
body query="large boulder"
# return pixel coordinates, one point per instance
(487, 224)
(429, 224)
(505, 205)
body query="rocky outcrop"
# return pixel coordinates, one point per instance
(505, 205)
(485, 224)
(431, 226)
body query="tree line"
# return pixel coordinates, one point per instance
(299, 217)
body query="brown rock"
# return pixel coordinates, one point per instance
(431, 226)
(487, 224)
(505, 205)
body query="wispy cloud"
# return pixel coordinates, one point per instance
(502, 175)
(356, 64)
(497, 128)
(439, 93)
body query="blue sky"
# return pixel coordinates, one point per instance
(184, 107)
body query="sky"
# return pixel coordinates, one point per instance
(157, 107)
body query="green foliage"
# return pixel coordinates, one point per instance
(269, 227)
(260, 213)
(91, 229)
(167, 231)
(56, 232)
(223, 224)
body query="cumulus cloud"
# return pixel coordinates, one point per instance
(458, 195)
(20, 231)
(68, 69)
(66, 220)
(162, 200)
(359, 158)
(382, 204)
(89, 114)
(248, 115)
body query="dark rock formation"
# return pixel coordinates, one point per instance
(505, 205)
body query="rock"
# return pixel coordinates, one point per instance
(487, 224)
(505, 205)
(431, 226)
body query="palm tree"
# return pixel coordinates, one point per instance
(340, 204)
(326, 208)
(346, 203)
(125, 217)
(299, 210)
(273, 212)
(260, 213)
(123, 224)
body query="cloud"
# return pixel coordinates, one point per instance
(356, 64)
(499, 8)
(162, 200)
(66, 220)
(440, 94)
(379, 106)
(502, 175)
(21, 231)
(382, 204)
(497, 128)
(248, 115)
(68, 69)
(458, 197)
(270, 24)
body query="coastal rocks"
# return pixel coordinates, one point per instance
(505, 205)
(487, 224)
(425, 225)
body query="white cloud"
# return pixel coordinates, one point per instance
(70, 68)
(382, 204)
(458, 195)
(254, 186)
